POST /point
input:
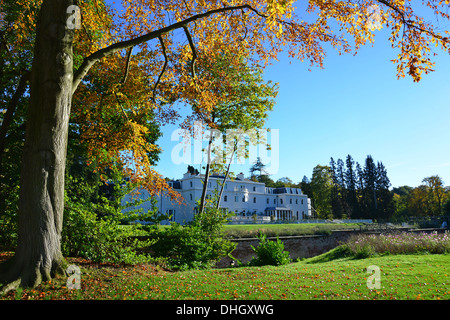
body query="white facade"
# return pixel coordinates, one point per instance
(241, 196)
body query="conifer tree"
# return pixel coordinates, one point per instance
(336, 191)
(352, 208)
(385, 208)
(370, 181)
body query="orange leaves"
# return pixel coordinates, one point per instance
(414, 37)
(114, 116)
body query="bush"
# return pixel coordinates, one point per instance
(100, 239)
(8, 217)
(197, 245)
(270, 253)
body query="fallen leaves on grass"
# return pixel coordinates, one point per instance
(402, 277)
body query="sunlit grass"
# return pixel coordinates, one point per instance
(403, 277)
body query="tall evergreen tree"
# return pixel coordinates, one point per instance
(258, 166)
(336, 203)
(385, 208)
(352, 208)
(370, 183)
(360, 188)
(340, 174)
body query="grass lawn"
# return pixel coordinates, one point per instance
(293, 229)
(402, 277)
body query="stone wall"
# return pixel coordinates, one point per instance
(297, 246)
(306, 246)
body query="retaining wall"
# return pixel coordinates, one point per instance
(302, 246)
(297, 246)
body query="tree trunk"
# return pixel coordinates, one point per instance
(206, 180)
(38, 255)
(225, 178)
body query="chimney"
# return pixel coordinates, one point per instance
(240, 176)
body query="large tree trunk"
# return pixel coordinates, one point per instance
(38, 256)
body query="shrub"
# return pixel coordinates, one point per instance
(197, 245)
(100, 239)
(270, 253)
(8, 217)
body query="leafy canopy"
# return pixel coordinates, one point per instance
(143, 55)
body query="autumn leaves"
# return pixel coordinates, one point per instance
(172, 53)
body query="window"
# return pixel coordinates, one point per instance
(281, 201)
(290, 201)
(236, 198)
(254, 188)
(296, 201)
(190, 196)
(274, 201)
(254, 199)
(225, 198)
(302, 201)
(190, 183)
(267, 200)
(243, 199)
(171, 213)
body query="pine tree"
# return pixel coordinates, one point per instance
(336, 203)
(385, 198)
(259, 167)
(359, 192)
(352, 208)
(370, 183)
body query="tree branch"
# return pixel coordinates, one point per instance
(194, 51)
(163, 46)
(89, 61)
(410, 24)
(12, 105)
(127, 66)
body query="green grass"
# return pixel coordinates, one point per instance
(273, 230)
(330, 276)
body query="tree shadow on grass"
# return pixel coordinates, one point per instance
(341, 252)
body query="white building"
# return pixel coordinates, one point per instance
(243, 197)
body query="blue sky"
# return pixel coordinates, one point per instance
(356, 106)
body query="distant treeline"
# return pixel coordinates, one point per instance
(344, 190)
(348, 190)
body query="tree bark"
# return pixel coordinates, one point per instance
(38, 255)
(225, 178)
(206, 180)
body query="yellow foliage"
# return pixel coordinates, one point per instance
(162, 72)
